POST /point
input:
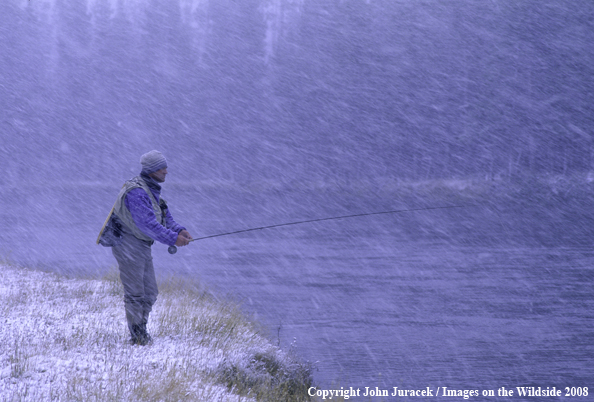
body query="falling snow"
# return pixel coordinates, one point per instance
(277, 111)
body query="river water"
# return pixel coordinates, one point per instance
(414, 315)
(368, 305)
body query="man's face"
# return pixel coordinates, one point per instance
(159, 175)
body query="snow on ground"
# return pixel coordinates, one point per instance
(66, 339)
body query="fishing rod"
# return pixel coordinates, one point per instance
(173, 249)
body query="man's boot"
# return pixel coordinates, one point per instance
(137, 336)
(137, 332)
(144, 330)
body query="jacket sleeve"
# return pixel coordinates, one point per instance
(171, 223)
(140, 207)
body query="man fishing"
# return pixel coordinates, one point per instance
(142, 217)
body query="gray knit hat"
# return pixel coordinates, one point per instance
(152, 161)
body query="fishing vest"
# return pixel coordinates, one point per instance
(123, 213)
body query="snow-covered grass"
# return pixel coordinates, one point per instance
(66, 339)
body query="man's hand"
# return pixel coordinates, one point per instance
(183, 238)
(186, 234)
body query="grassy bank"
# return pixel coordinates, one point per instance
(66, 339)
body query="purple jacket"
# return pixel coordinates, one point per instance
(140, 206)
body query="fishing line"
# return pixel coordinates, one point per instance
(173, 249)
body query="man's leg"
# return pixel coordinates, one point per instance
(150, 295)
(132, 257)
